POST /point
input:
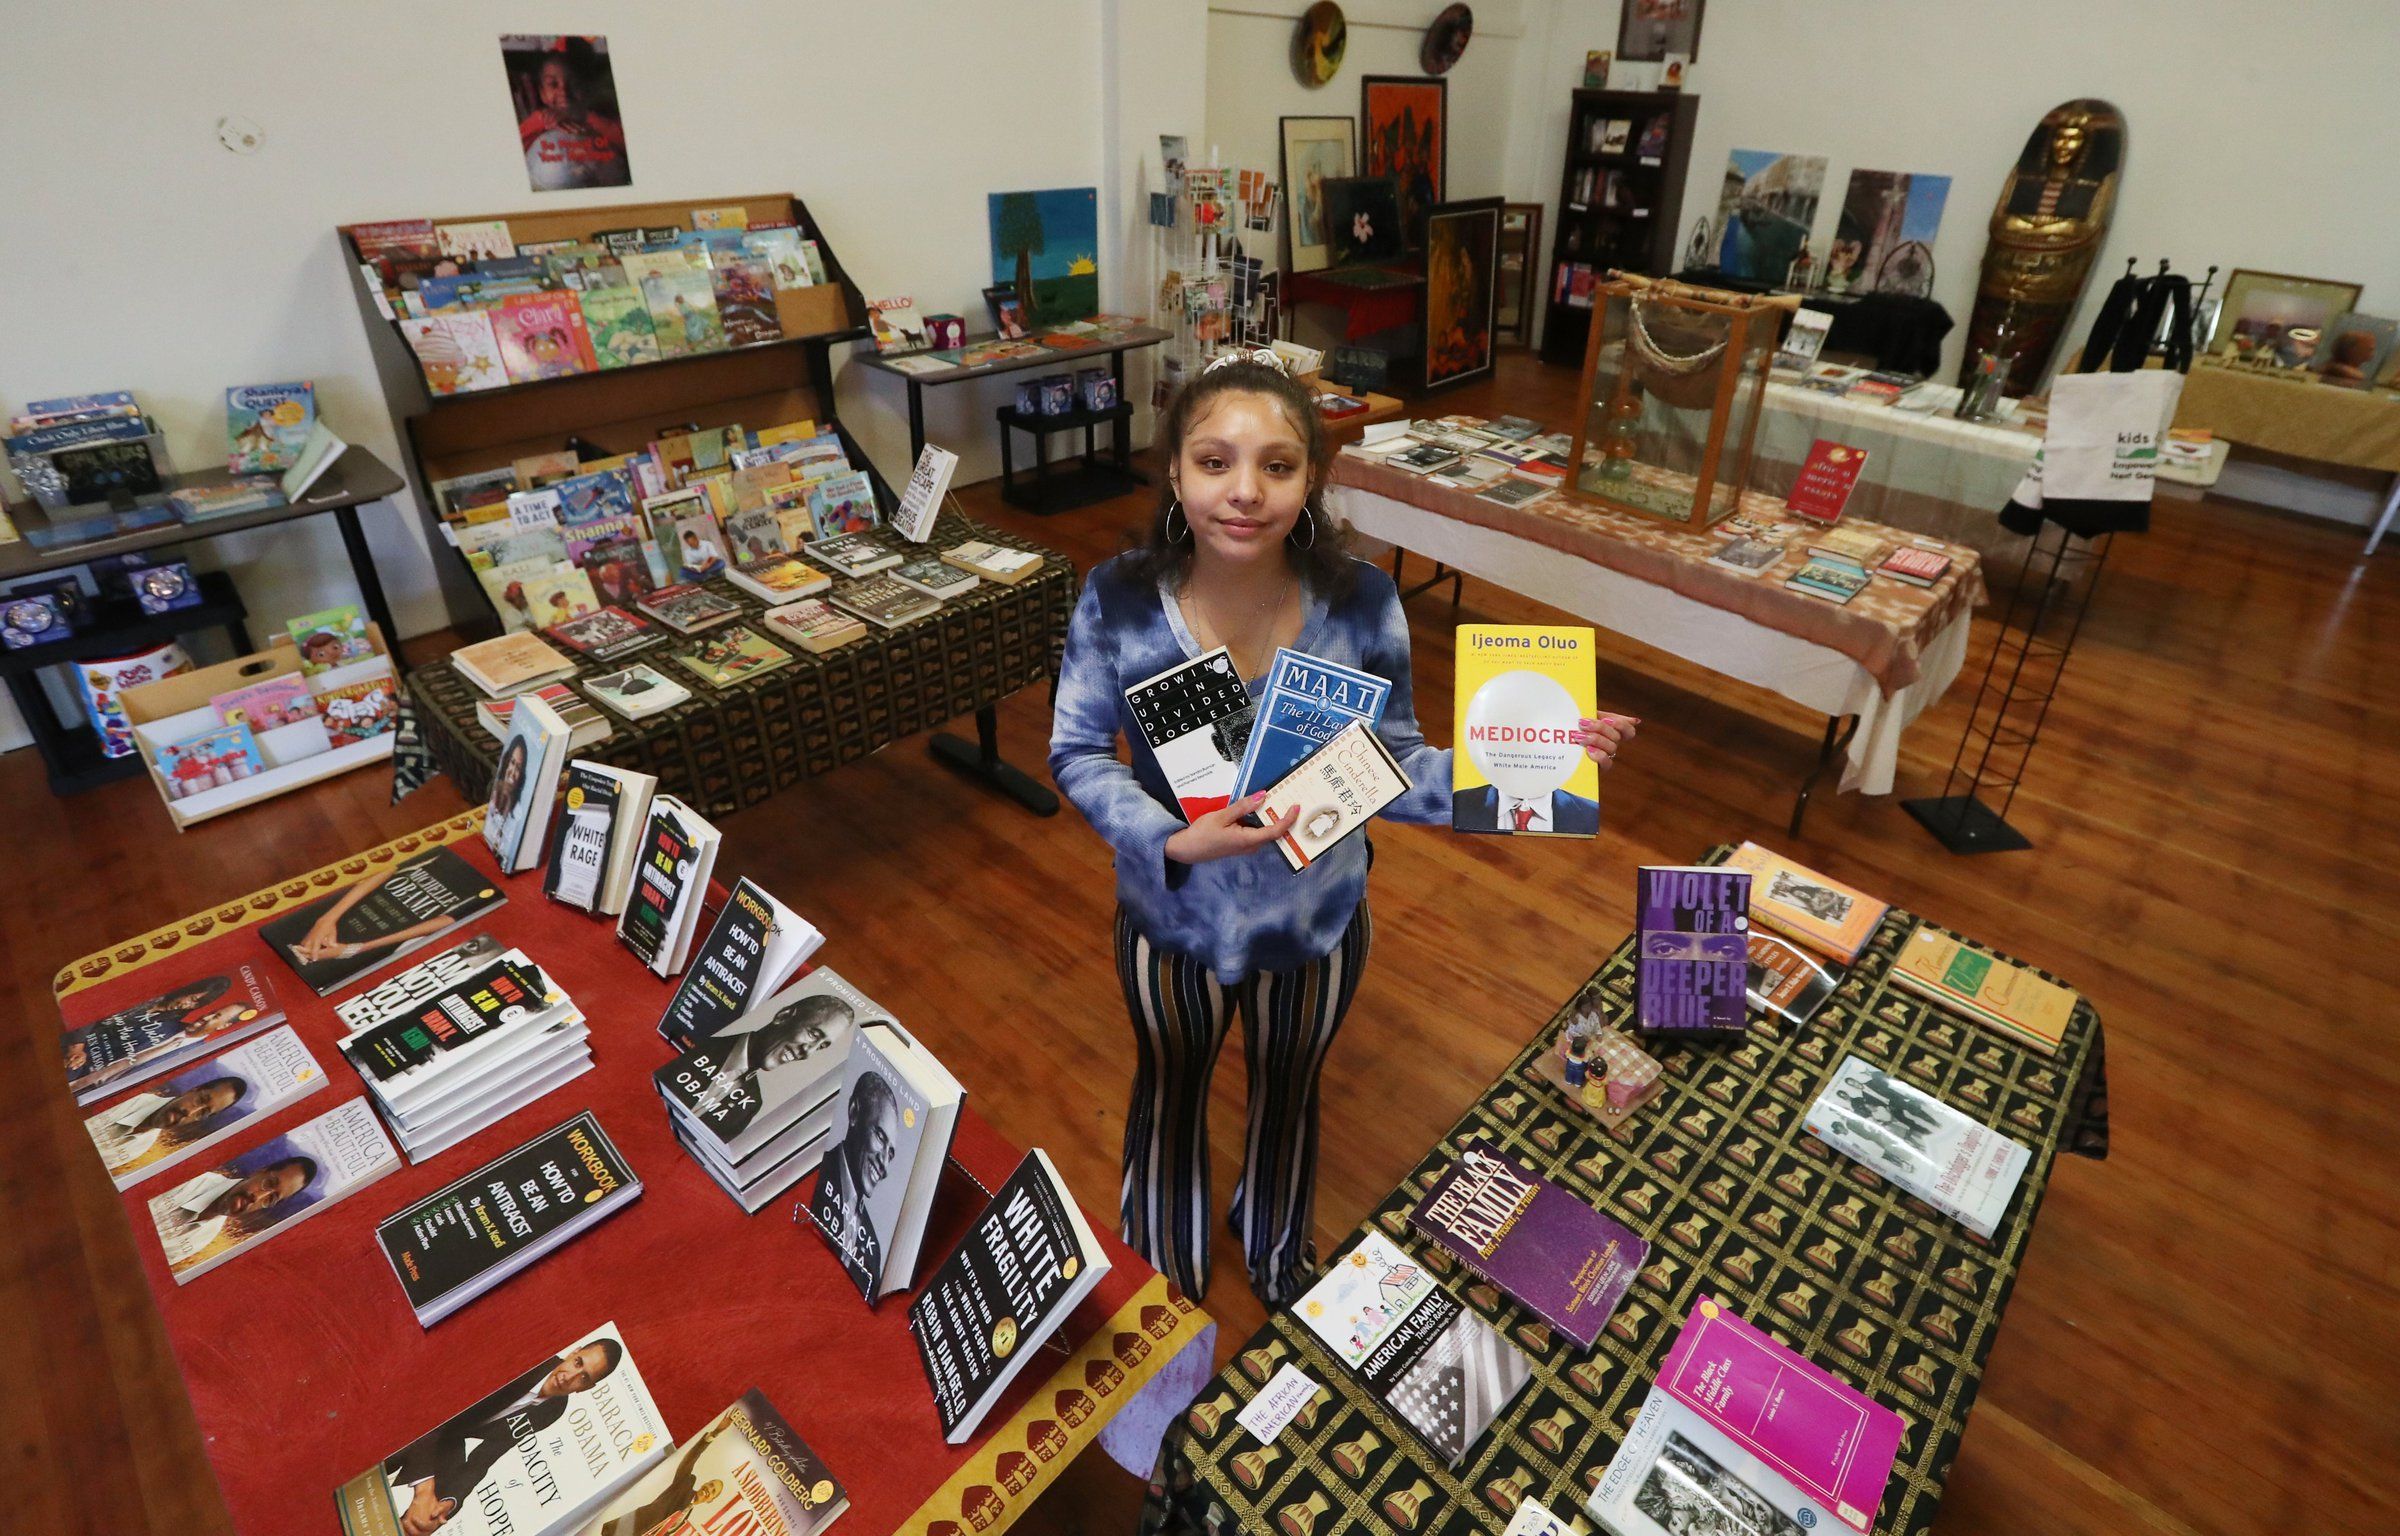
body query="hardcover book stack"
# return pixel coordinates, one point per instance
(461, 1042)
(754, 1103)
(1510, 462)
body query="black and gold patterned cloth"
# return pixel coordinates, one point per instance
(1737, 1201)
(735, 746)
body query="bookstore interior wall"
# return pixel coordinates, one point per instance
(140, 249)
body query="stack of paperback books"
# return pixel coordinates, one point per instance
(754, 1103)
(462, 1041)
(86, 448)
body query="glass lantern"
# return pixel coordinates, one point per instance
(1673, 379)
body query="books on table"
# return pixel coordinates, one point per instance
(1195, 717)
(2011, 1000)
(670, 877)
(637, 692)
(239, 1204)
(1741, 1434)
(524, 783)
(511, 663)
(935, 577)
(746, 1474)
(899, 1107)
(344, 934)
(814, 625)
(602, 812)
(1829, 577)
(1959, 1166)
(474, 1233)
(1691, 972)
(1799, 903)
(148, 1132)
(1522, 694)
(1748, 555)
(777, 578)
(725, 657)
(994, 562)
(606, 635)
(688, 608)
(755, 1102)
(884, 601)
(202, 1012)
(755, 946)
(457, 1056)
(526, 1459)
(1915, 564)
(1336, 791)
(1827, 477)
(1023, 1266)
(853, 554)
(1554, 1255)
(1305, 700)
(1786, 980)
(1436, 1367)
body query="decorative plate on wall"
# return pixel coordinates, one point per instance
(1446, 40)
(1318, 45)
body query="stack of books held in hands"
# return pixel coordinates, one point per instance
(754, 1103)
(462, 1041)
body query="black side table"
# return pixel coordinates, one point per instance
(1092, 480)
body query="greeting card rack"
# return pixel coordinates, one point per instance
(615, 410)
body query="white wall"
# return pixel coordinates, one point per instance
(2259, 133)
(140, 254)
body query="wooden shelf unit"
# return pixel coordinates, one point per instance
(616, 410)
(1601, 238)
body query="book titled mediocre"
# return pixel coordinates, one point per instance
(1554, 1255)
(1692, 961)
(1523, 691)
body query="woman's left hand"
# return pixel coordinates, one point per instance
(1605, 736)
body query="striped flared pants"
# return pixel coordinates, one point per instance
(1180, 1016)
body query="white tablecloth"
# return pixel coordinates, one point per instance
(1813, 675)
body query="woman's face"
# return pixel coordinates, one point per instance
(1243, 478)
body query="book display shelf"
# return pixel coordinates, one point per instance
(616, 410)
(1620, 204)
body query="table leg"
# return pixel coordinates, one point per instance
(981, 760)
(1837, 741)
(1008, 465)
(2391, 506)
(916, 423)
(362, 566)
(1119, 428)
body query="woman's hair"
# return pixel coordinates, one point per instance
(201, 993)
(1323, 561)
(519, 755)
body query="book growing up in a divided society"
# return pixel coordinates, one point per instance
(1195, 717)
(1960, 1167)
(1519, 766)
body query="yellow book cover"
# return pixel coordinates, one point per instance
(1519, 767)
(2025, 1006)
(1799, 903)
(789, 432)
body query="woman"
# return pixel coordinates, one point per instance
(1209, 918)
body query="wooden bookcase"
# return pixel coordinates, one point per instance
(615, 410)
(1642, 231)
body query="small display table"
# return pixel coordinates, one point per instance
(736, 746)
(1090, 481)
(2299, 415)
(1738, 1202)
(73, 757)
(305, 1364)
(1059, 354)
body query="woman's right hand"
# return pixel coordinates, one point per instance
(1221, 835)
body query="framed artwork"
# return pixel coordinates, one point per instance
(1446, 40)
(1649, 30)
(1462, 276)
(1765, 212)
(2355, 349)
(2277, 319)
(1008, 312)
(1405, 122)
(1362, 219)
(1046, 246)
(1883, 238)
(1316, 150)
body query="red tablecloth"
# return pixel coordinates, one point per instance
(305, 1364)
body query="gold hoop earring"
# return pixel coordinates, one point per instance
(1309, 513)
(1168, 525)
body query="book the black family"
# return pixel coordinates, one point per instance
(748, 1473)
(899, 1107)
(525, 1459)
(199, 1014)
(1555, 1256)
(1029, 1258)
(755, 946)
(468, 1237)
(384, 915)
(1439, 1369)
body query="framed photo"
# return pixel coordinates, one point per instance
(2355, 349)
(1462, 275)
(2278, 319)
(1362, 219)
(1316, 150)
(1649, 30)
(1405, 122)
(1008, 311)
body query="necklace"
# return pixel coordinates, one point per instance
(1212, 635)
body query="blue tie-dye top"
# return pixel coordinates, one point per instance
(1250, 912)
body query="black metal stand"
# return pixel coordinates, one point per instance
(980, 760)
(2054, 591)
(1441, 573)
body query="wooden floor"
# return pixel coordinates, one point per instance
(2205, 1336)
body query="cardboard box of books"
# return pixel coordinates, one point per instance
(331, 719)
